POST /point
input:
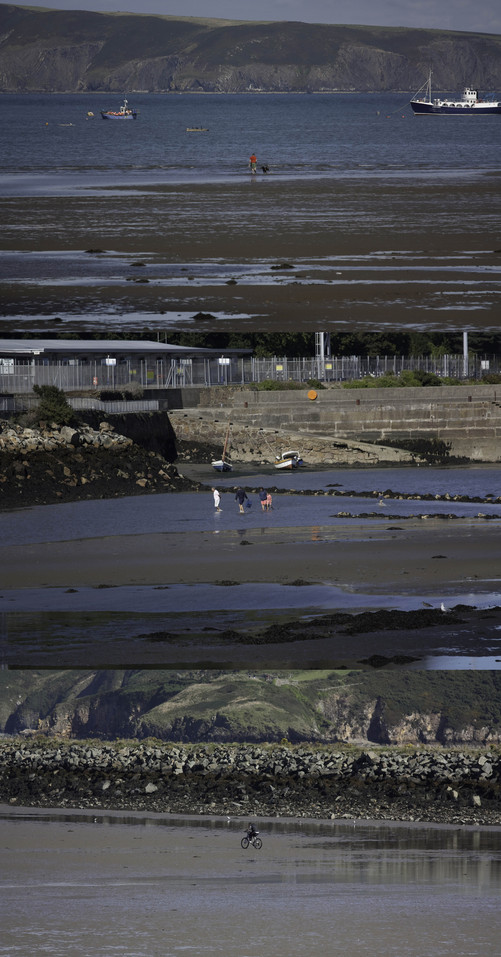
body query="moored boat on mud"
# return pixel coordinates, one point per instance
(288, 460)
(221, 465)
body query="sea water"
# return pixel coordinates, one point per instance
(140, 608)
(51, 142)
(193, 512)
(340, 166)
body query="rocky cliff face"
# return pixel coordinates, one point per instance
(220, 707)
(62, 51)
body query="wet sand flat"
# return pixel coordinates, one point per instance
(427, 557)
(98, 883)
(367, 253)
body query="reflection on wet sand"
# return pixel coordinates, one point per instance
(402, 889)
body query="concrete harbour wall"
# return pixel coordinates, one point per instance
(467, 420)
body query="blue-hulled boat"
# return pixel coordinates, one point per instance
(124, 113)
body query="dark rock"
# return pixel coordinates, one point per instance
(284, 780)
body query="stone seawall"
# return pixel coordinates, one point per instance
(465, 419)
(428, 784)
(200, 431)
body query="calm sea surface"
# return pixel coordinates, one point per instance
(51, 143)
(140, 885)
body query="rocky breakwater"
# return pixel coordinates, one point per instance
(49, 464)
(425, 784)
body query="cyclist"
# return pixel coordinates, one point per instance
(251, 832)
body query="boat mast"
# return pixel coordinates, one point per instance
(226, 442)
(426, 86)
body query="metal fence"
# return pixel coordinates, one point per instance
(71, 375)
(348, 368)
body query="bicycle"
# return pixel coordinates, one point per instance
(255, 841)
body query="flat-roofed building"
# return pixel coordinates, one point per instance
(85, 364)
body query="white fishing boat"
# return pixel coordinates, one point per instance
(469, 103)
(221, 465)
(288, 460)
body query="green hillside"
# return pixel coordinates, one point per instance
(315, 706)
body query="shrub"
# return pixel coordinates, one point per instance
(420, 378)
(388, 381)
(275, 385)
(53, 405)
(406, 379)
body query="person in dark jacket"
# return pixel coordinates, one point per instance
(240, 498)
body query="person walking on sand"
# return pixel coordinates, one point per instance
(217, 500)
(253, 163)
(240, 497)
(263, 495)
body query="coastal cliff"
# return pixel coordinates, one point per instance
(60, 51)
(351, 707)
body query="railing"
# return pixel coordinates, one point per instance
(19, 376)
(120, 405)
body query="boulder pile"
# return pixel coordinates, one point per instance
(418, 784)
(52, 464)
(15, 438)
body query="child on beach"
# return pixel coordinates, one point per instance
(217, 499)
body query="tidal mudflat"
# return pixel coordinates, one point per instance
(164, 580)
(153, 884)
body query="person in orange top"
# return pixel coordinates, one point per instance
(253, 163)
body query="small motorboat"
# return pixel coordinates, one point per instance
(288, 460)
(197, 129)
(124, 113)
